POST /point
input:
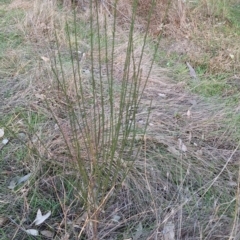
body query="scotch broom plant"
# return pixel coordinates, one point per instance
(101, 106)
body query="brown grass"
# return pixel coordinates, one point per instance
(20, 4)
(147, 185)
(165, 185)
(43, 21)
(201, 27)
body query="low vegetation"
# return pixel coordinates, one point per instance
(119, 119)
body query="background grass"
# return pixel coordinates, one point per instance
(195, 191)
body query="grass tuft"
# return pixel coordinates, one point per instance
(120, 142)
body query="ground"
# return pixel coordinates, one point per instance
(86, 155)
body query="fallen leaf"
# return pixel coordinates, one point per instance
(45, 59)
(5, 141)
(17, 180)
(65, 237)
(162, 95)
(230, 183)
(190, 137)
(47, 233)
(41, 218)
(13, 183)
(24, 178)
(191, 71)
(138, 232)
(193, 102)
(40, 96)
(116, 218)
(182, 147)
(168, 231)
(81, 219)
(81, 56)
(3, 221)
(32, 232)
(173, 150)
(1, 132)
(199, 152)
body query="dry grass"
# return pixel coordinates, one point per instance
(197, 31)
(43, 21)
(154, 191)
(195, 190)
